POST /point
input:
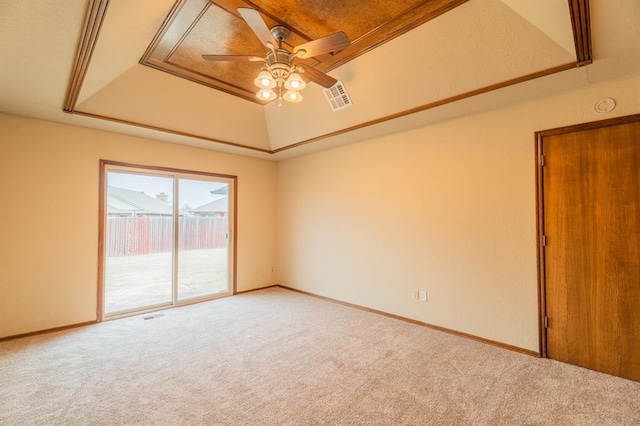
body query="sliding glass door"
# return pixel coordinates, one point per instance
(139, 235)
(166, 238)
(203, 239)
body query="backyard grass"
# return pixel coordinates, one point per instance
(137, 281)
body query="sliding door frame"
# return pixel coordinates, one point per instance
(105, 165)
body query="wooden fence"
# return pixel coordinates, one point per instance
(133, 236)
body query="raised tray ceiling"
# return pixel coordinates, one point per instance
(196, 27)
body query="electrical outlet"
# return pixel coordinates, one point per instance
(423, 295)
(416, 294)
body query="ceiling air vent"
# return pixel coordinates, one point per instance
(337, 96)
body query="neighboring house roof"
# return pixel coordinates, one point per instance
(120, 200)
(223, 190)
(220, 205)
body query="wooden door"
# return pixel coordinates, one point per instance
(590, 208)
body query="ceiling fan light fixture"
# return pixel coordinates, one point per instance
(292, 96)
(264, 80)
(266, 94)
(295, 82)
(280, 77)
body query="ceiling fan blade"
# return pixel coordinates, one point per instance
(330, 43)
(214, 58)
(316, 76)
(258, 26)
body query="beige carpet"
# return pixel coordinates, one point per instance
(276, 357)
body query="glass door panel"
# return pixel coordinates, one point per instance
(138, 242)
(203, 238)
(166, 238)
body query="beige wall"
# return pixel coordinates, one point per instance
(49, 216)
(448, 208)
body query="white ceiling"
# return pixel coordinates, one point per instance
(479, 44)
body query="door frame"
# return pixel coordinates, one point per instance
(233, 215)
(540, 225)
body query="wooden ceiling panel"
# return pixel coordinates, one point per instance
(196, 27)
(314, 19)
(218, 31)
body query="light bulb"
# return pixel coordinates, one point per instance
(264, 80)
(295, 82)
(266, 94)
(292, 96)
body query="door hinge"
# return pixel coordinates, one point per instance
(541, 160)
(546, 321)
(544, 241)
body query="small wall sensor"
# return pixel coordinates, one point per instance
(604, 105)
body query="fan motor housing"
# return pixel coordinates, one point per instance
(278, 56)
(279, 63)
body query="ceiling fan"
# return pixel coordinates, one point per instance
(280, 76)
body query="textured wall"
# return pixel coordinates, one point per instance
(448, 208)
(49, 216)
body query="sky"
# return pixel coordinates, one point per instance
(193, 193)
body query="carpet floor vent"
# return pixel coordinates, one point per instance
(148, 317)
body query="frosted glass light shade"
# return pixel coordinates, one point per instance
(266, 95)
(295, 82)
(264, 80)
(292, 96)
